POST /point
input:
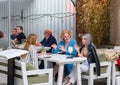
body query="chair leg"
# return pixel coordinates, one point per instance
(113, 73)
(90, 81)
(109, 74)
(108, 80)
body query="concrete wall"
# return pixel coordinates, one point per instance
(115, 21)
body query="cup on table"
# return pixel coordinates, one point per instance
(23, 41)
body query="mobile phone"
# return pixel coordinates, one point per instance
(69, 57)
(48, 57)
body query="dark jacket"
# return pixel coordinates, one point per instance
(13, 37)
(92, 57)
(20, 37)
(48, 42)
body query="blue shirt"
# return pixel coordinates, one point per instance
(13, 37)
(72, 43)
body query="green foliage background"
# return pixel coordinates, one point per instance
(93, 16)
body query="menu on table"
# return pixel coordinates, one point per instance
(12, 53)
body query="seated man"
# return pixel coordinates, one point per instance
(14, 34)
(4, 43)
(20, 35)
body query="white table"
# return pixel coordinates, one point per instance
(10, 54)
(62, 60)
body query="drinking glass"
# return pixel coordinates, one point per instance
(70, 50)
(23, 41)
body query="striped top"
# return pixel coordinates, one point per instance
(31, 57)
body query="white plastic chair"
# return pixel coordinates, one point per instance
(91, 76)
(115, 72)
(22, 75)
(105, 67)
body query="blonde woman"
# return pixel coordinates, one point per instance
(30, 45)
(63, 46)
(87, 50)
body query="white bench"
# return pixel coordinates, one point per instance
(26, 77)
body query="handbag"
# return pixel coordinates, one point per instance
(111, 55)
(118, 62)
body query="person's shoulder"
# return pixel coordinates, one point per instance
(32, 47)
(4, 39)
(52, 37)
(61, 42)
(21, 33)
(73, 40)
(92, 46)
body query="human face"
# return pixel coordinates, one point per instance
(66, 37)
(19, 30)
(14, 32)
(84, 41)
(46, 35)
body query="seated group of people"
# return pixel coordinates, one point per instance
(87, 49)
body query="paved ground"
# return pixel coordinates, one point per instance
(84, 82)
(96, 82)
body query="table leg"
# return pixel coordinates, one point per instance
(79, 82)
(10, 78)
(60, 74)
(45, 64)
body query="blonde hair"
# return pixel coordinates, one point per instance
(48, 31)
(31, 40)
(63, 33)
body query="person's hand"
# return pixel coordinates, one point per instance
(15, 40)
(54, 46)
(38, 44)
(16, 46)
(62, 49)
(80, 55)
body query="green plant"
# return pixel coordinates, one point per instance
(93, 16)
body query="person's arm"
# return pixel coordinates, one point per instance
(56, 48)
(50, 41)
(97, 62)
(34, 57)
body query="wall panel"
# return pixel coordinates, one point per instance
(41, 14)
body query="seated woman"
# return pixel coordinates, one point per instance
(47, 41)
(88, 50)
(30, 45)
(63, 47)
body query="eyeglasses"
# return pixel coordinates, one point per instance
(66, 36)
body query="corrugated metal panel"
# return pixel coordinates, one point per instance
(57, 15)
(4, 17)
